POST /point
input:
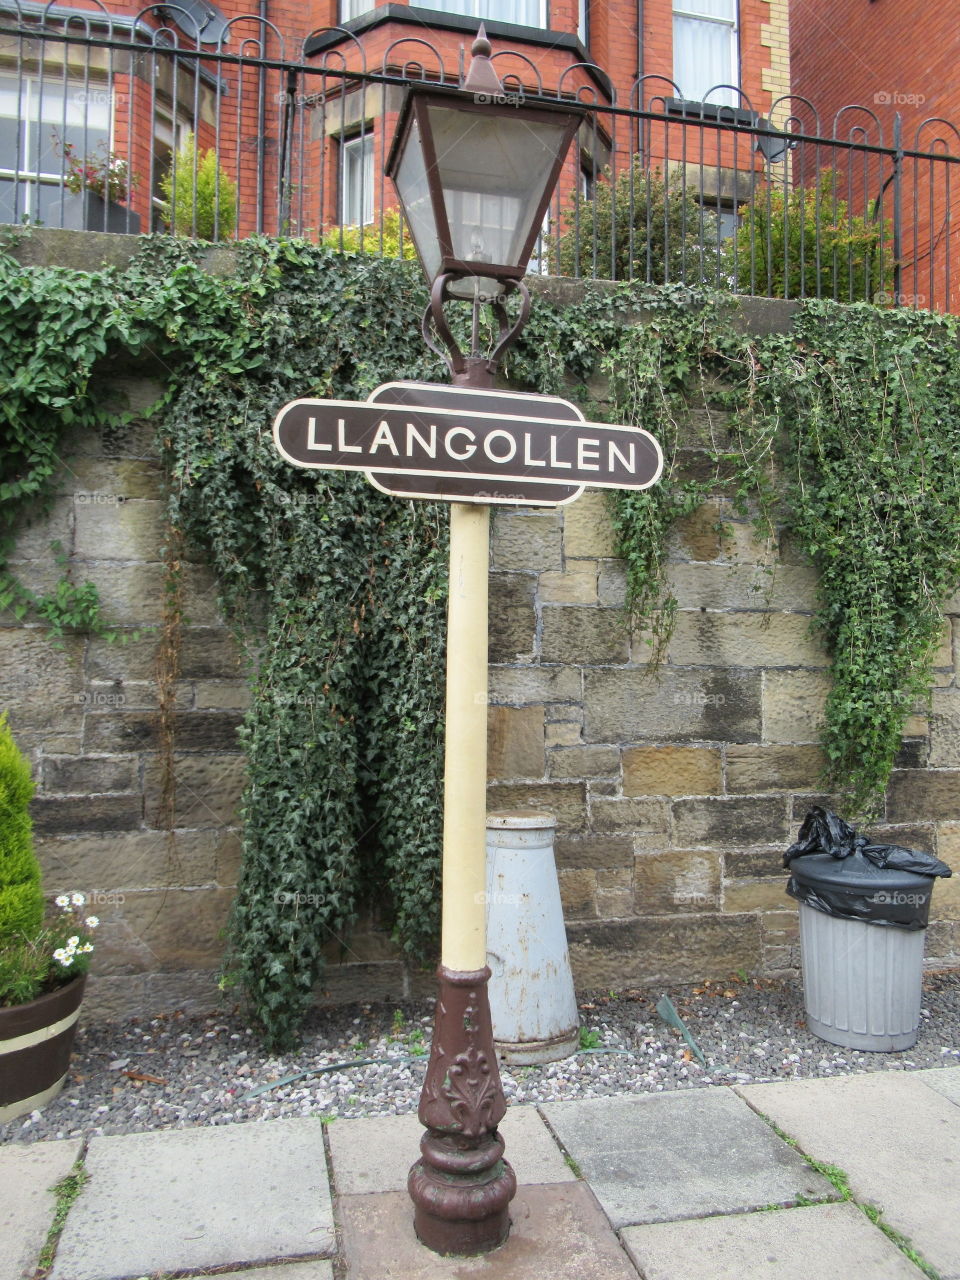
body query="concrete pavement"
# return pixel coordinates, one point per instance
(659, 1186)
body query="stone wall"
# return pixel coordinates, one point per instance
(86, 713)
(675, 792)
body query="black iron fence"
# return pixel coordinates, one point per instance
(169, 120)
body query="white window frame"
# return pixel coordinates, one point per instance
(690, 10)
(356, 158)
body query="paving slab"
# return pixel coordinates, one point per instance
(825, 1242)
(375, 1154)
(318, 1270)
(896, 1138)
(689, 1154)
(558, 1232)
(192, 1198)
(27, 1205)
(945, 1080)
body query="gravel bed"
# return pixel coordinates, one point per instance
(175, 1072)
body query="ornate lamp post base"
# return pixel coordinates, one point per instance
(461, 1186)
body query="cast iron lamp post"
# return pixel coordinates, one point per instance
(474, 170)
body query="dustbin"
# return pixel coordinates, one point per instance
(863, 914)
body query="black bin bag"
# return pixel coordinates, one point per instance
(835, 870)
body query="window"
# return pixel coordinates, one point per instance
(356, 181)
(525, 13)
(37, 116)
(354, 8)
(705, 49)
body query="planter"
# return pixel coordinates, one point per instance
(36, 1040)
(87, 211)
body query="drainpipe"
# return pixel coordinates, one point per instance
(261, 112)
(639, 40)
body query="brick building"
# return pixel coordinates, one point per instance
(898, 60)
(305, 148)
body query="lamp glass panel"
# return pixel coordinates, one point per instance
(494, 169)
(414, 192)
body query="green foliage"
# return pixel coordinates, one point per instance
(66, 1191)
(386, 239)
(805, 242)
(589, 1039)
(848, 431)
(54, 325)
(21, 897)
(642, 226)
(201, 200)
(871, 401)
(343, 740)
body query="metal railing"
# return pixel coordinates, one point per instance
(148, 122)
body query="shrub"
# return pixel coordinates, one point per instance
(775, 250)
(370, 242)
(663, 232)
(204, 204)
(21, 895)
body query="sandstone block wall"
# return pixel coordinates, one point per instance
(86, 713)
(675, 792)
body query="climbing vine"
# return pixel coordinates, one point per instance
(844, 431)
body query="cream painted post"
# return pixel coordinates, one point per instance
(463, 945)
(462, 1186)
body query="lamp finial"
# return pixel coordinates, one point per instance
(481, 79)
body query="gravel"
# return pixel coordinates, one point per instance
(175, 1072)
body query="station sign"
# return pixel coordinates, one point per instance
(420, 440)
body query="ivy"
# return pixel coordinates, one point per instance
(871, 402)
(843, 431)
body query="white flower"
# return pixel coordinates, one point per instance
(92, 921)
(65, 957)
(63, 900)
(87, 946)
(78, 899)
(73, 942)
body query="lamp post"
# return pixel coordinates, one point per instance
(474, 170)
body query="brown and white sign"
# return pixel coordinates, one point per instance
(419, 440)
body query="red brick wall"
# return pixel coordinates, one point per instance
(893, 57)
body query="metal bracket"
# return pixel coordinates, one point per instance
(474, 369)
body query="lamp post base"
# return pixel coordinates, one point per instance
(461, 1186)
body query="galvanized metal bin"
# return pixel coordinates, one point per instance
(861, 982)
(532, 1002)
(862, 977)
